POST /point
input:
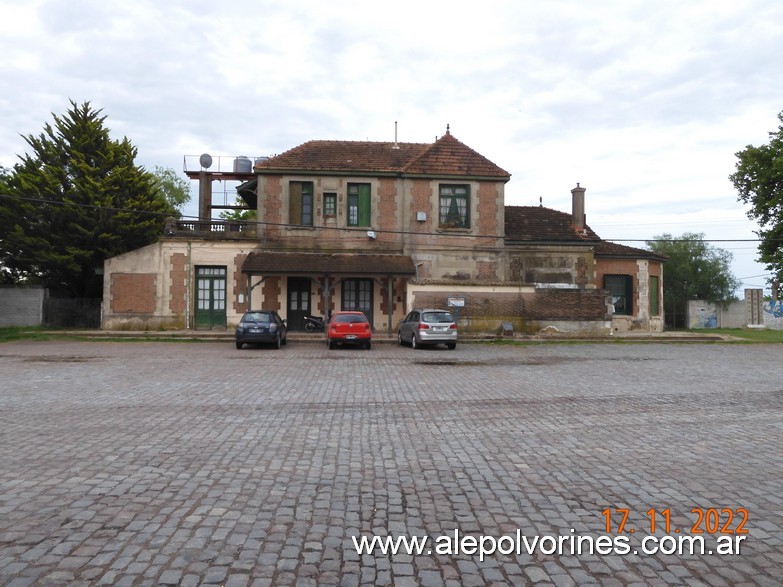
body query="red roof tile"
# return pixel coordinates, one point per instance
(445, 157)
(448, 156)
(536, 223)
(607, 249)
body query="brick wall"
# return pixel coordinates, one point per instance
(133, 293)
(421, 194)
(179, 291)
(272, 209)
(605, 267)
(240, 285)
(544, 304)
(399, 287)
(387, 210)
(271, 291)
(487, 270)
(488, 209)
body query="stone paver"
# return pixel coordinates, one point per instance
(190, 464)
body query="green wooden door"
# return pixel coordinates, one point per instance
(210, 297)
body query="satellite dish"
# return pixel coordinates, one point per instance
(205, 160)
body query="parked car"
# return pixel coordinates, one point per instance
(428, 326)
(262, 326)
(349, 328)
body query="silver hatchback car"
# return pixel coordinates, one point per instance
(428, 326)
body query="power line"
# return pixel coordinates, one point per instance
(348, 228)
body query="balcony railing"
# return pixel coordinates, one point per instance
(212, 228)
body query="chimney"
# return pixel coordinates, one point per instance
(578, 208)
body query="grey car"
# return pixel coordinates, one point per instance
(428, 326)
(261, 326)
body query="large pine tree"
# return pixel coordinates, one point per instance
(76, 199)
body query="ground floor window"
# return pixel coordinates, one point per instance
(621, 289)
(357, 296)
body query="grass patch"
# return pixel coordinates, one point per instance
(14, 333)
(11, 333)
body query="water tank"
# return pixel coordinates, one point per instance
(243, 165)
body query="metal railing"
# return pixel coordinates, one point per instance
(221, 164)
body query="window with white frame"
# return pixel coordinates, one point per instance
(454, 206)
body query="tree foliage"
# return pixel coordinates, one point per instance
(759, 181)
(241, 214)
(174, 189)
(694, 270)
(76, 199)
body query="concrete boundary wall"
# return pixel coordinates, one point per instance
(751, 311)
(22, 306)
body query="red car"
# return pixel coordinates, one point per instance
(349, 328)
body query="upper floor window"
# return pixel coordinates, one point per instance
(358, 204)
(300, 203)
(454, 206)
(330, 204)
(621, 289)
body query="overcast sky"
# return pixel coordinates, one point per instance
(644, 103)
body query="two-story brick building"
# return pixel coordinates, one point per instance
(377, 227)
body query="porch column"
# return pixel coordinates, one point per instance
(390, 300)
(327, 298)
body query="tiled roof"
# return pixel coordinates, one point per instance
(331, 263)
(446, 156)
(609, 249)
(536, 223)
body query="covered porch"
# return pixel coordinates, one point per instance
(300, 284)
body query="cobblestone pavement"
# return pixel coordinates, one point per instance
(187, 463)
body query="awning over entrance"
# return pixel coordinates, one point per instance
(267, 262)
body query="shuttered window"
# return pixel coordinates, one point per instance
(359, 204)
(655, 304)
(300, 203)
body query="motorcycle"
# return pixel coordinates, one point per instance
(314, 323)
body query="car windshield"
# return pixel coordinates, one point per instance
(349, 318)
(437, 317)
(257, 317)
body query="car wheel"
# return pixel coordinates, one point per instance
(278, 341)
(451, 345)
(414, 342)
(368, 345)
(399, 338)
(239, 345)
(331, 345)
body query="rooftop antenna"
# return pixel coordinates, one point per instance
(540, 201)
(396, 146)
